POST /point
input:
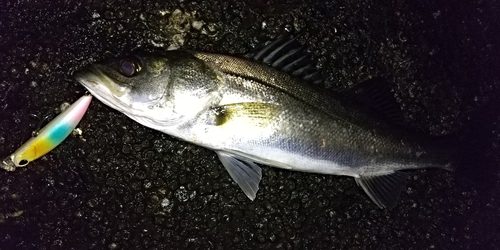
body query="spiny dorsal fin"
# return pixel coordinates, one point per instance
(384, 189)
(289, 55)
(376, 94)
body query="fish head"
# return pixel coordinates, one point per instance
(156, 90)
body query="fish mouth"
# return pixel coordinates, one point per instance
(93, 76)
(102, 86)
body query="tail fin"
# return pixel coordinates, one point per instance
(479, 148)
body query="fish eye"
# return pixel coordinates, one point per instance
(23, 163)
(129, 67)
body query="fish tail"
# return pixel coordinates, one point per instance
(478, 154)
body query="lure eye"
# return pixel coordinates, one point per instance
(129, 68)
(24, 157)
(23, 163)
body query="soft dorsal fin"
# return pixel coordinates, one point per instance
(376, 94)
(289, 55)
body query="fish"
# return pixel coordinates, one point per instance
(49, 137)
(265, 107)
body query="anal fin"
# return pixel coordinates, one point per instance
(384, 189)
(244, 172)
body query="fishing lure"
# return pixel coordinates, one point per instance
(49, 136)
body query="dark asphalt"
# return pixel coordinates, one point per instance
(123, 186)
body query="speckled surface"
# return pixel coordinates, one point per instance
(123, 186)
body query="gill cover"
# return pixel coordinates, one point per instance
(157, 90)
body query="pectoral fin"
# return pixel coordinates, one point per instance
(384, 189)
(256, 113)
(244, 172)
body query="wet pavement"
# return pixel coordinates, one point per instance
(124, 186)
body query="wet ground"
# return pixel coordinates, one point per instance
(123, 186)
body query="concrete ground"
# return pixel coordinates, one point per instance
(124, 186)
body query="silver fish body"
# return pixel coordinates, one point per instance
(249, 112)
